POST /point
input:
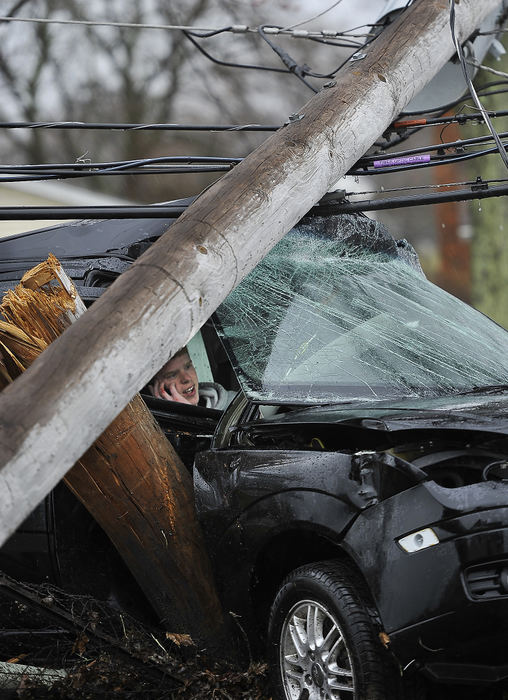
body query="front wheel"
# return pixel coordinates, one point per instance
(323, 640)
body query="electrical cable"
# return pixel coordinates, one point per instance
(476, 99)
(114, 126)
(460, 143)
(484, 91)
(118, 164)
(320, 14)
(380, 170)
(427, 186)
(414, 200)
(121, 25)
(340, 44)
(437, 121)
(205, 31)
(165, 211)
(40, 173)
(230, 64)
(142, 164)
(173, 164)
(291, 65)
(66, 175)
(475, 64)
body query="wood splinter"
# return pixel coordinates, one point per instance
(131, 480)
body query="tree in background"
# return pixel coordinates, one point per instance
(109, 74)
(489, 245)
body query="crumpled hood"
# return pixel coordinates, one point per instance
(479, 412)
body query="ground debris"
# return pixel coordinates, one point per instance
(108, 653)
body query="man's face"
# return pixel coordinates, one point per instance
(179, 374)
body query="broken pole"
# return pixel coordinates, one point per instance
(52, 413)
(131, 480)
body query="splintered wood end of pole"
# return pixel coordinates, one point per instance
(41, 306)
(44, 303)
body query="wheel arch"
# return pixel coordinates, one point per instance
(285, 552)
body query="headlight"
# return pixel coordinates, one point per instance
(421, 539)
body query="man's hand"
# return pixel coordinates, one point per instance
(164, 389)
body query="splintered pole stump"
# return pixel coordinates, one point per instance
(131, 479)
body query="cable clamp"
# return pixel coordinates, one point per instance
(479, 185)
(358, 56)
(331, 198)
(295, 117)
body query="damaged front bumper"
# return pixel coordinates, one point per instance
(449, 614)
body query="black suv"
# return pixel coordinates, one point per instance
(354, 494)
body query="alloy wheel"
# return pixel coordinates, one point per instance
(315, 662)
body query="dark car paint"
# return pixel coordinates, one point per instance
(479, 412)
(362, 503)
(267, 509)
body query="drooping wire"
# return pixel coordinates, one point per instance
(320, 14)
(484, 91)
(469, 83)
(190, 36)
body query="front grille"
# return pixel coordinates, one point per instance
(487, 581)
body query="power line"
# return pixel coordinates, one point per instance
(368, 165)
(119, 126)
(320, 14)
(66, 175)
(165, 211)
(476, 99)
(419, 162)
(442, 146)
(252, 66)
(429, 186)
(119, 164)
(414, 200)
(485, 91)
(210, 31)
(125, 25)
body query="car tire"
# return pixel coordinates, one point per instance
(323, 638)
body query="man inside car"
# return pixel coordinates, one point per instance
(178, 381)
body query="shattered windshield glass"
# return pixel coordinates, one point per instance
(338, 310)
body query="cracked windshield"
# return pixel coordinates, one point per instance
(338, 311)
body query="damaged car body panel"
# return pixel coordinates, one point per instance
(369, 442)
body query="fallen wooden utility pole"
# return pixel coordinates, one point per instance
(131, 479)
(84, 379)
